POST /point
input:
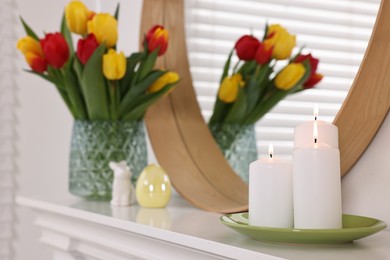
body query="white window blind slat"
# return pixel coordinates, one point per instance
(360, 7)
(221, 27)
(278, 10)
(337, 32)
(237, 14)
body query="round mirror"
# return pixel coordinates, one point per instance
(185, 147)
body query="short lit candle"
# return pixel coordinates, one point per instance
(317, 185)
(270, 192)
(328, 133)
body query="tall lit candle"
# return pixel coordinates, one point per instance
(317, 185)
(328, 133)
(270, 192)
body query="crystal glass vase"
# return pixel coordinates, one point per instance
(238, 145)
(94, 144)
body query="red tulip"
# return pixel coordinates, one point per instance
(86, 47)
(36, 62)
(33, 53)
(56, 49)
(263, 53)
(313, 80)
(157, 37)
(314, 77)
(246, 47)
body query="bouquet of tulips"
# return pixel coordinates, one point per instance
(252, 87)
(95, 80)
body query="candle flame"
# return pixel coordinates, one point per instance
(270, 150)
(315, 113)
(315, 132)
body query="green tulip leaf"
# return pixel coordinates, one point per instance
(247, 68)
(66, 33)
(147, 65)
(237, 111)
(220, 110)
(59, 83)
(132, 61)
(144, 102)
(220, 107)
(78, 68)
(116, 14)
(275, 96)
(265, 31)
(49, 78)
(65, 98)
(226, 67)
(256, 86)
(145, 45)
(133, 94)
(253, 91)
(114, 98)
(147, 82)
(28, 30)
(74, 93)
(94, 88)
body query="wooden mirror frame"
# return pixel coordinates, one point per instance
(185, 147)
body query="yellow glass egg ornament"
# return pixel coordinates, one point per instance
(153, 189)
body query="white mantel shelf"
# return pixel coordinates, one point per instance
(78, 229)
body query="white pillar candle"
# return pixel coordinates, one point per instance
(317, 186)
(328, 133)
(270, 192)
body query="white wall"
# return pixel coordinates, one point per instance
(44, 132)
(366, 188)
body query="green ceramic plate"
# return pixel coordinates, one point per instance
(354, 227)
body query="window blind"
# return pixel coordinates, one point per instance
(7, 124)
(336, 32)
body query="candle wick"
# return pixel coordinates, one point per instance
(270, 155)
(315, 140)
(315, 118)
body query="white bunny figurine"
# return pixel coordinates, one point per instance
(123, 193)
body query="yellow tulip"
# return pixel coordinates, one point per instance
(77, 14)
(167, 78)
(289, 76)
(33, 53)
(114, 65)
(282, 41)
(228, 90)
(29, 44)
(105, 28)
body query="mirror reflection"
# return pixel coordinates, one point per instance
(336, 32)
